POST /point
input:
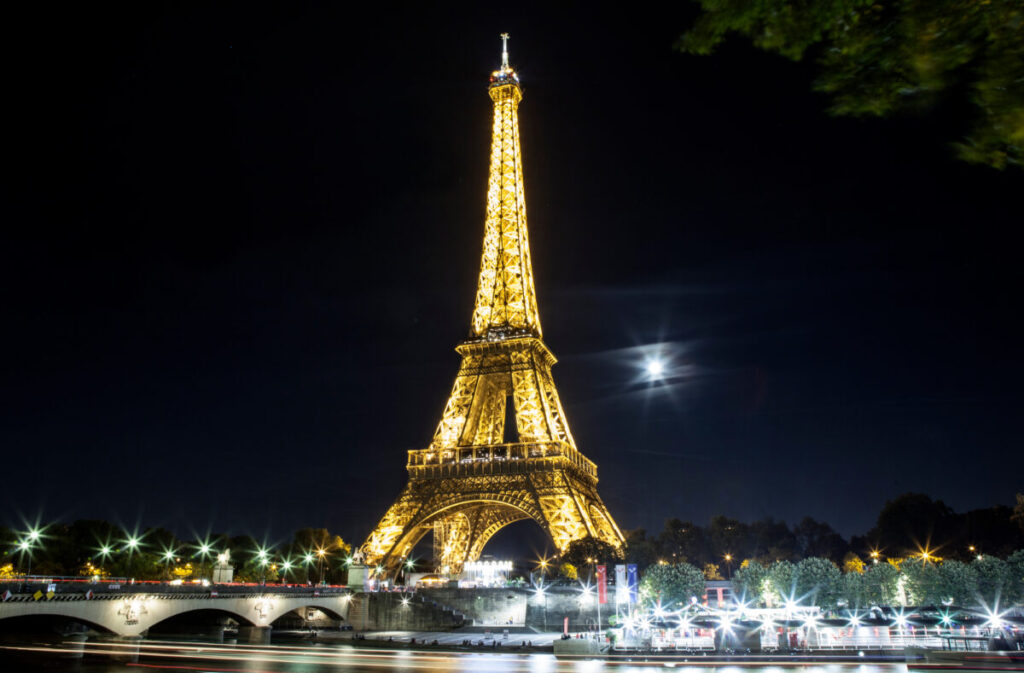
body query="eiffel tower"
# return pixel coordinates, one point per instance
(470, 482)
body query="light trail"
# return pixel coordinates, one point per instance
(219, 658)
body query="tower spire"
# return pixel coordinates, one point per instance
(506, 303)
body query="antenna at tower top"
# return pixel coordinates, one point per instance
(504, 51)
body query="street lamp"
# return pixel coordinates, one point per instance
(321, 552)
(285, 567)
(728, 565)
(308, 558)
(168, 557)
(23, 547)
(264, 559)
(204, 553)
(32, 537)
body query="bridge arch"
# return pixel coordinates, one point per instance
(10, 623)
(193, 615)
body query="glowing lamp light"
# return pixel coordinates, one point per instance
(33, 534)
(132, 542)
(995, 619)
(169, 555)
(410, 564)
(308, 558)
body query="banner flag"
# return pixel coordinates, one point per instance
(602, 584)
(621, 590)
(633, 580)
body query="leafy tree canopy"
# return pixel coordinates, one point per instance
(590, 551)
(673, 585)
(877, 59)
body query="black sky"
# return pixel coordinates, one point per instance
(241, 243)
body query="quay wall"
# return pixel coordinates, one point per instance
(523, 607)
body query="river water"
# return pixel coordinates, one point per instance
(179, 656)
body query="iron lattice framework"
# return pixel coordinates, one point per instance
(469, 483)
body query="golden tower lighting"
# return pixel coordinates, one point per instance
(477, 476)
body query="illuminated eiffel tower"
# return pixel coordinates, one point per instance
(470, 482)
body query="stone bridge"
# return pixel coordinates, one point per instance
(133, 613)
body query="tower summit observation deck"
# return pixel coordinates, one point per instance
(477, 475)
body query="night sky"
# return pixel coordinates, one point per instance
(241, 244)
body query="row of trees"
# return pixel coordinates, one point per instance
(920, 552)
(906, 526)
(89, 548)
(986, 582)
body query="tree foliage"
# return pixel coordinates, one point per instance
(880, 585)
(1018, 511)
(673, 584)
(877, 59)
(817, 581)
(589, 551)
(994, 579)
(748, 581)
